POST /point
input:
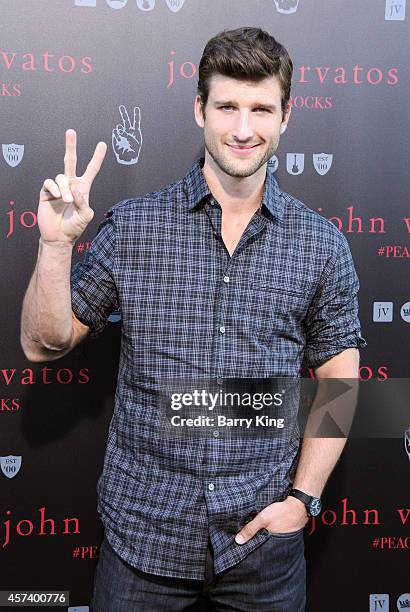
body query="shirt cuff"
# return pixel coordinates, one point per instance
(317, 354)
(81, 310)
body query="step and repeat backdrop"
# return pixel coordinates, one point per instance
(78, 64)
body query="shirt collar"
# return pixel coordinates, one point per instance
(196, 189)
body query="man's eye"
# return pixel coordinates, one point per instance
(226, 107)
(260, 108)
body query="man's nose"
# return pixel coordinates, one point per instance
(243, 130)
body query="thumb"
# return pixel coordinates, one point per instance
(249, 530)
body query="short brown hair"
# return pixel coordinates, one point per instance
(247, 54)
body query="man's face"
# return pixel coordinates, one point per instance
(243, 123)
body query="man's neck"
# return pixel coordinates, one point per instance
(237, 196)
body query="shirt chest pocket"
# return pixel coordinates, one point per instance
(278, 311)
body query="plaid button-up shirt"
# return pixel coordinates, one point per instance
(188, 308)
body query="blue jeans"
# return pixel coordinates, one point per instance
(271, 578)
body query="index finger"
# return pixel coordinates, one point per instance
(70, 157)
(94, 165)
(125, 118)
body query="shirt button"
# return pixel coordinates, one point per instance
(215, 433)
(211, 486)
(222, 330)
(226, 279)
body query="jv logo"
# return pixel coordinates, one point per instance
(13, 154)
(10, 465)
(382, 312)
(395, 10)
(127, 137)
(295, 163)
(379, 602)
(322, 162)
(287, 6)
(405, 312)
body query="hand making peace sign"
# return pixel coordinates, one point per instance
(127, 137)
(64, 211)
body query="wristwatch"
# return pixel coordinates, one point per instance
(313, 504)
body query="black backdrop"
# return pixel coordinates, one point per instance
(73, 63)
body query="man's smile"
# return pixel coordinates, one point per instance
(242, 149)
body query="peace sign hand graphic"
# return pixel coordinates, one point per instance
(127, 137)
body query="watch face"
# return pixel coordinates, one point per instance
(315, 506)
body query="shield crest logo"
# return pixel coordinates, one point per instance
(407, 442)
(322, 162)
(286, 7)
(116, 4)
(175, 5)
(295, 163)
(10, 465)
(146, 5)
(13, 154)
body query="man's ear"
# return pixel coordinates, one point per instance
(285, 119)
(199, 117)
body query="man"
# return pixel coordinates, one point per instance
(219, 275)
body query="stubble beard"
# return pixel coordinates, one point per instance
(236, 169)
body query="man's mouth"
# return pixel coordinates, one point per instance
(243, 149)
(234, 146)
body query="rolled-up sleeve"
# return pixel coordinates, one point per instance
(332, 323)
(93, 290)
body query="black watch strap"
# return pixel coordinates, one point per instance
(312, 504)
(303, 497)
